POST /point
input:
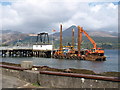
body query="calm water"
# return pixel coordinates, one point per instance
(111, 64)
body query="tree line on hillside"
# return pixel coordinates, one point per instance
(104, 42)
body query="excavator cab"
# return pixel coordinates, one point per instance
(93, 50)
(98, 51)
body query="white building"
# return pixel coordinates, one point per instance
(42, 47)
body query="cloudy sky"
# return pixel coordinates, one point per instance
(44, 15)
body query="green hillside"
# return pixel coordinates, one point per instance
(103, 39)
(104, 42)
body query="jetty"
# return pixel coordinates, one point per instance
(24, 52)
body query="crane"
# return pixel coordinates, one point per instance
(94, 50)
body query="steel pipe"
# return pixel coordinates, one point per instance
(13, 67)
(81, 76)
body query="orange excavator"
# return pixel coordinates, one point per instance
(94, 50)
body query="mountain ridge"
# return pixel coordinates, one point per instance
(9, 36)
(68, 32)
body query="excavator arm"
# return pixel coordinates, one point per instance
(91, 40)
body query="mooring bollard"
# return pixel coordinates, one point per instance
(26, 64)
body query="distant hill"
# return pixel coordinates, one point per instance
(68, 32)
(9, 36)
(10, 32)
(102, 38)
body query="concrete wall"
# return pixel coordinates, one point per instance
(72, 82)
(10, 72)
(59, 81)
(29, 76)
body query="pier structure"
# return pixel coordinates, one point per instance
(25, 52)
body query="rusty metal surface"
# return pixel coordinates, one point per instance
(78, 40)
(13, 67)
(73, 38)
(81, 76)
(60, 37)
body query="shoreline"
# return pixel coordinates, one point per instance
(69, 70)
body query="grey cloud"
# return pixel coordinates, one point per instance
(35, 17)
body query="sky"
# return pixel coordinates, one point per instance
(34, 16)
